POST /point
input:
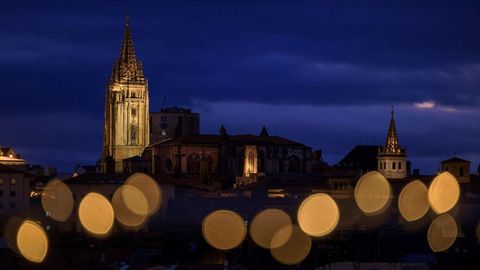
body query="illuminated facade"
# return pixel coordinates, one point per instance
(126, 128)
(392, 159)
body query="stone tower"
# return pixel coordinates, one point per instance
(392, 159)
(126, 126)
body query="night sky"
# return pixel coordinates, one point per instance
(324, 73)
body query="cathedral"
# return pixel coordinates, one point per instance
(126, 123)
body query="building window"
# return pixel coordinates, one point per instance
(12, 205)
(460, 171)
(294, 164)
(13, 181)
(1, 193)
(134, 112)
(163, 125)
(168, 165)
(164, 132)
(393, 165)
(133, 134)
(193, 163)
(1, 181)
(163, 118)
(13, 193)
(209, 164)
(399, 165)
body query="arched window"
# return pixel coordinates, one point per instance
(209, 164)
(133, 134)
(460, 171)
(251, 161)
(393, 165)
(193, 163)
(294, 164)
(399, 165)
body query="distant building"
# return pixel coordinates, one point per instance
(174, 121)
(9, 157)
(392, 159)
(460, 168)
(14, 191)
(360, 160)
(126, 128)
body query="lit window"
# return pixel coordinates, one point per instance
(164, 132)
(13, 181)
(1, 181)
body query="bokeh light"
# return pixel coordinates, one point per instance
(130, 206)
(413, 201)
(149, 188)
(32, 241)
(57, 200)
(442, 233)
(96, 214)
(443, 193)
(318, 215)
(373, 193)
(265, 224)
(296, 248)
(224, 229)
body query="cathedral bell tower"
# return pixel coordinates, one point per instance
(126, 128)
(392, 159)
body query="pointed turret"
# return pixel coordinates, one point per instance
(391, 144)
(392, 159)
(264, 132)
(127, 67)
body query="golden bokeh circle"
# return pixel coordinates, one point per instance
(57, 200)
(130, 206)
(413, 201)
(443, 193)
(372, 193)
(318, 215)
(32, 241)
(296, 247)
(265, 224)
(442, 233)
(150, 189)
(96, 214)
(224, 229)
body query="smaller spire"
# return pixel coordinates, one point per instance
(391, 144)
(264, 132)
(223, 131)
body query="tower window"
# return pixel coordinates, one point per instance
(133, 134)
(399, 165)
(393, 165)
(460, 171)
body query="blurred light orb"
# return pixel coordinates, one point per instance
(442, 233)
(96, 214)
(413, 201)
(443, 193)
(130, 206)
(150, 189)
(265, 224)
(318, 215)
(57, 200)
(224, 229)
(32, 241)
(296, 247)
(372, 193)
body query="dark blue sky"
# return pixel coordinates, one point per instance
(324, 73)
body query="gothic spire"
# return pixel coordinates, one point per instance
(391, 144)
(127, 67)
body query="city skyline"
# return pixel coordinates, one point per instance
(302, 81)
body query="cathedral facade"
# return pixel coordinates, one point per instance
(126, 123)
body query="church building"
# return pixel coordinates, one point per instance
(392, 159)
(126, 128)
